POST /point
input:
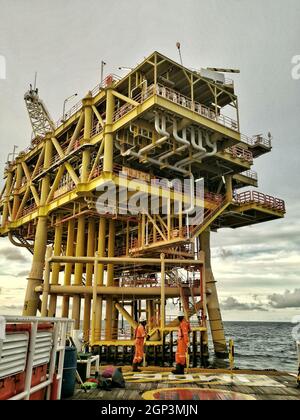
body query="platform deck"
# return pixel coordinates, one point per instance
(261, 385)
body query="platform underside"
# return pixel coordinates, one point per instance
(260, 385)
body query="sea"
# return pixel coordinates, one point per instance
(262, 345)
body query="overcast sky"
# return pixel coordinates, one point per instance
(258, 268)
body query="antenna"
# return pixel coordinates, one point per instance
(35, 80)
(103, 63)
(179, 51)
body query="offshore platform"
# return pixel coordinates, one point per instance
(104, 265)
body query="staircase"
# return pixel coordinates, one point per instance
(24, 243)
(189, 303)
(209, 216)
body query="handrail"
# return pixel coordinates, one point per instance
(111, 78)
(250, 174)
(257, 140)
(240, 153)
(249, 197)
(179, 99)
(197, 107)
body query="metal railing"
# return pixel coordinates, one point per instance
(29, 209)
(111, 78)
(203, 110)
(257, 140)
(240, 153)
(249, 197)
(179, 99)
(250, 174)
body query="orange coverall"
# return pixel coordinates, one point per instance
(183, 342)
(140, 335)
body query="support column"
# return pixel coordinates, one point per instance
(213, 306)
(228, 186)
(35, 278)
(110, 310)
(80, 248)
(68, 266)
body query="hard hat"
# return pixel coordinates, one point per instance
(180, 314)
(143, 318)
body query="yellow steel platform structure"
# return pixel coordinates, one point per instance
(160, 122)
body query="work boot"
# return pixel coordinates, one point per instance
(135, 368)
(179, 370)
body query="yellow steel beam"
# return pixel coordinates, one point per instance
(76, 133)
(99, 118)
(104, 291)
(72, 173)
(58, 147)
(253, 206)
(56, 182)
(125, 98)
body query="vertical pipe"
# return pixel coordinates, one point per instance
(110, 311)
(99, 278)
(46, 289)
(94, 309)
(55, 267)
(163, 294)
(80, 247)
(88, 280)
(143, 227)
(68, 266)
(127, 238)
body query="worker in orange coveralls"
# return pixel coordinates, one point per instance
(140, 337)
(182, 344)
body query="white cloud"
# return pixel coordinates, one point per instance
(286, 300)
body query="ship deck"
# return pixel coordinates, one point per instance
(199, 384)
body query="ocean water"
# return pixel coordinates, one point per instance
(262, 345)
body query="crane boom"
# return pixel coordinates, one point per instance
(39, 116)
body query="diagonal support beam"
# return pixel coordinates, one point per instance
(126, 315)
(22, 205)
(76, 133)
(72, 173)
(39, 162)
(125, 98)
(99, 154)
(58, 147)
(56, 182)
(99, 118)
(156, 226)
